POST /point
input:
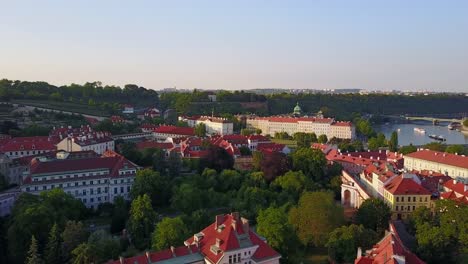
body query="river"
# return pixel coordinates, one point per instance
(407, 135)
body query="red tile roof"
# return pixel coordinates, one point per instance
(282, 119)
(270, 147)
(29, 143)
(109, 160)
(153, 144)
(346, 124)
(387, 250)
(401, 185)
(226, 230)
(186, 131)
(441, 157)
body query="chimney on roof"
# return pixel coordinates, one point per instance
(218, 242)
(245, 225)
(359, 252)
(235, 216)
(147, 255)
(121, 260)
(173, 251)
(218, 221)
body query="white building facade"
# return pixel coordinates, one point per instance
(93, 180)
(292, 125)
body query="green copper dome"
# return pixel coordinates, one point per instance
(297, 109)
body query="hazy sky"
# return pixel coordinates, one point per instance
(406, 45)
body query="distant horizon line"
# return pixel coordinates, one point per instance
(250, 89)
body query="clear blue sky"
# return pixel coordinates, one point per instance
(406, 45)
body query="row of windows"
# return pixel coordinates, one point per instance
(76, 184)
(70, 176)
(409, 198)
(405, 208)
(27, 153)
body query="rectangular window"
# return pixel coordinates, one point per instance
(414, 207)
(396, 208)
(398, 199)
(414, 199)
(115, 190)
(409, 199)
(121, 189)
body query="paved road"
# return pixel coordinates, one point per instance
(31, 108)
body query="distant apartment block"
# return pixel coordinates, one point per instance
(291, 125)
(449, 164)
(83, 139)
(214, 125)
(90, 178)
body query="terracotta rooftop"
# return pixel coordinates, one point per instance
(441, 157)
(402, 185)
(186, 131)
(389, 250)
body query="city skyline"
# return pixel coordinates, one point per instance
(407, 46)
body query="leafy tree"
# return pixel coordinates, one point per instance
(258, 131)
(33, 254)
(174, 164)
(273, 224)
(141, 221)
(293, 182)
(257, 158)
(458, 149)
(52, 250)
(465, 122)
(82, 254)
(128, 150)
(187, 198)
(200, 130)
(322, 139)
(246, 132)
(407, 149)
(315, 216)
(153, 184)
(73, 235)
(218, 158)
(364, 128)
(436, 146)
(434, 245)
(344, 241)
(245, 151)
(159, 161)
(273, 165)
(311, 162)
(393, 142)
(197, 221)
(313, 138)
(374, 214)
(103, 246)
(169, 232)
(35, 215)
(119, 214)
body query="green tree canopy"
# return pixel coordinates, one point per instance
(200, 130)
(53, 254)
(141, 221)
(169, 232)
(393, 142)
(33, 253)
(374, 214)
(153, 184)
(315, 216)
(273, 224)
(344, 241)
(311, 162)
(73, 235)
